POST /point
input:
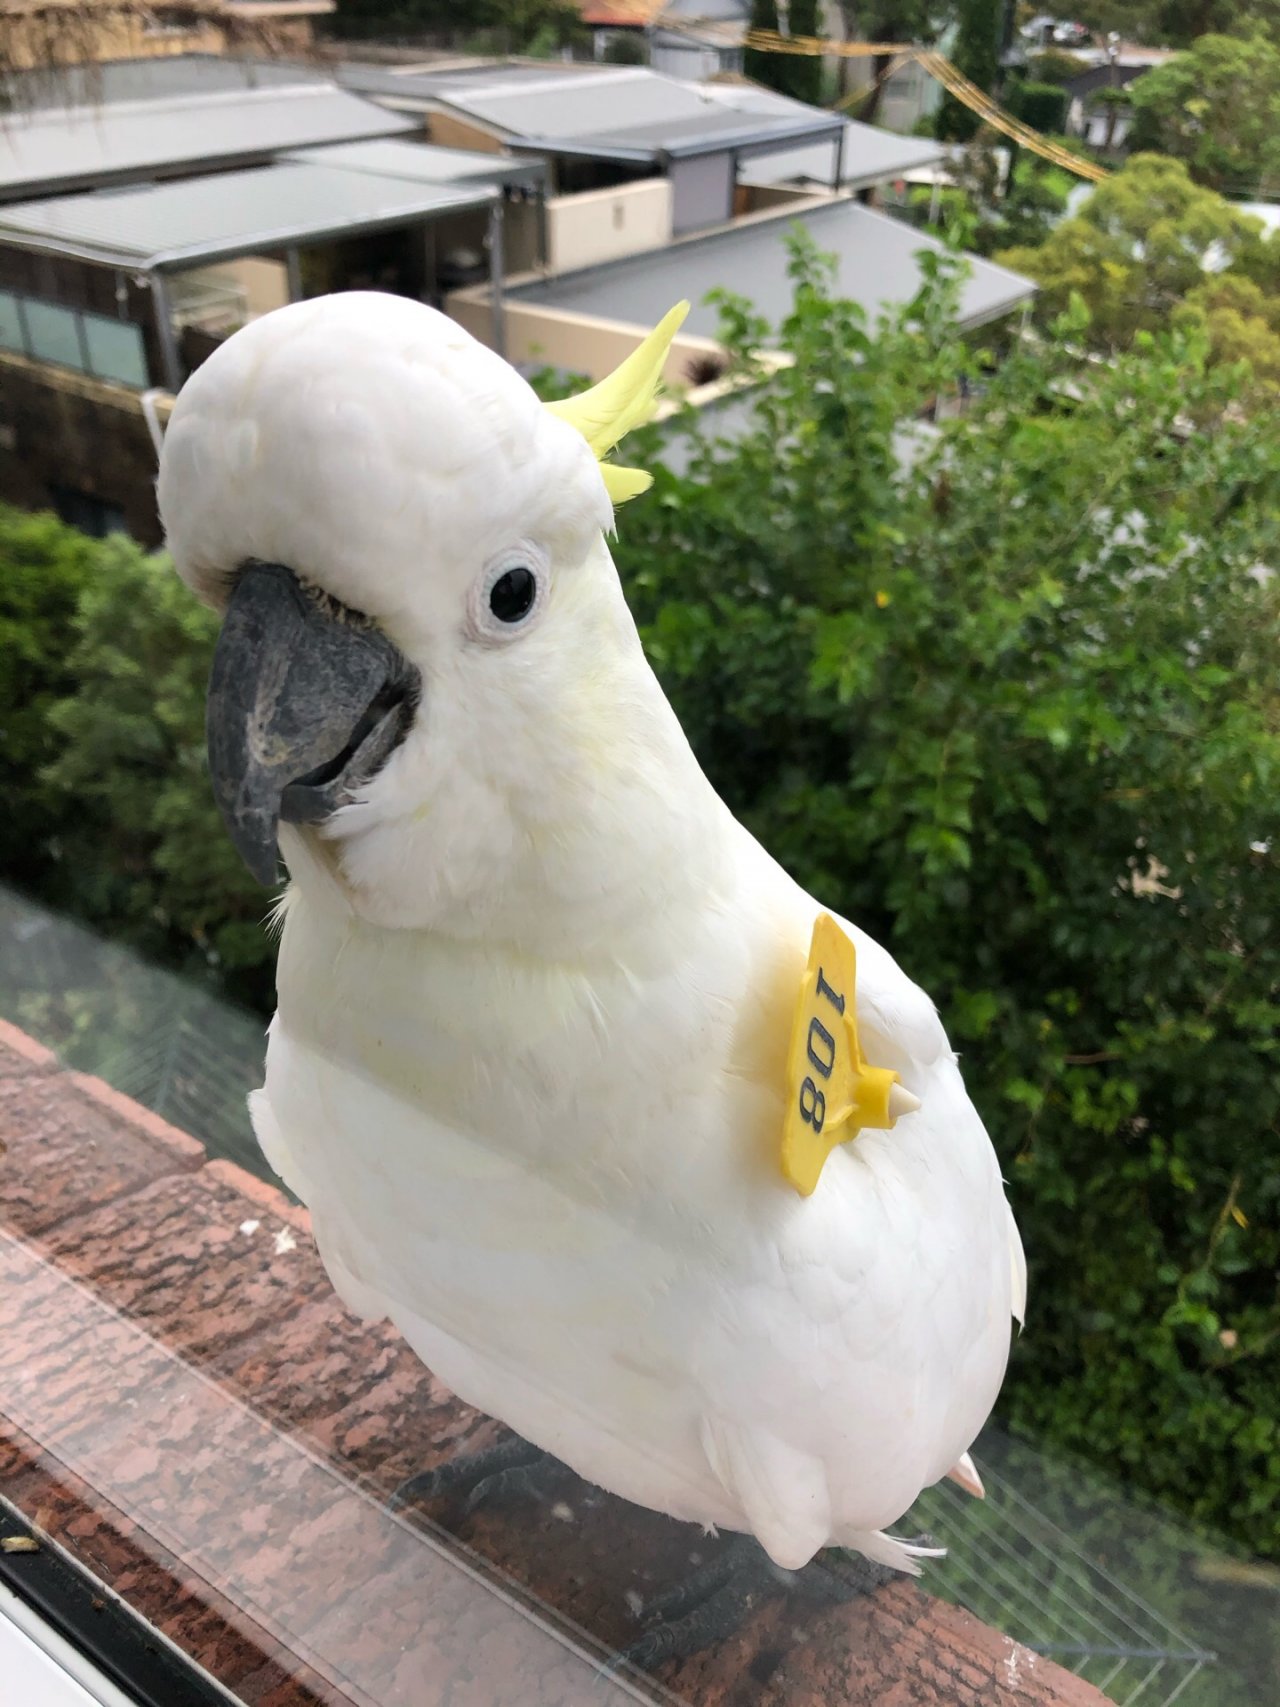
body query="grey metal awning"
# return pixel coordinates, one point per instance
(53, 150)
(193, 222)
(868, 154)
(714, 133)
(624, 113)
(876, 266)
(424, 163)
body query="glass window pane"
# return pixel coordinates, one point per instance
(115, 350)
(54, 334)
(10, 325)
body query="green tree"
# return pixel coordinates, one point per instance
(802, 76)
(894, 21)
(1175, 23)
(1055, 65)
(797, 75)
(977, 54)
(1041, 105)
(141, 847)
(1011, 702)
(1241, 325)
(44, 569)
(756, 63)
(1135, 249)
(502, 25)
(1113, 100)
(1217, 107)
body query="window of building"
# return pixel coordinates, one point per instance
(10, 323)
(91, 515)
(115, 350)
(90, 343)
(53, 334)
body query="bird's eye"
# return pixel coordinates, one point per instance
(508, 596)
(512, 594)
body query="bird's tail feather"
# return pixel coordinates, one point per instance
(889, 1550)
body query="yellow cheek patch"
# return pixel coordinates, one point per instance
(832, 1093)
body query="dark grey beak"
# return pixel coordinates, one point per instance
(307, 701)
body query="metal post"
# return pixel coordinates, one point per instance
(497, 308)
(839, 166)
(430, 281)
(170, 364)
(544, 231)
(293, 268)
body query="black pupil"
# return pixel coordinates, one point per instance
(511, 596)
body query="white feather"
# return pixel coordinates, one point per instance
(536, 989)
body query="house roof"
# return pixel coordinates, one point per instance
(626, 113)
(160, 77)
(195, 221)
(53, 150)
(423, 163)
(869, 156)
(620, 14)
(876, 266)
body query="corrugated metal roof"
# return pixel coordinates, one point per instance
(163, 77)
(67, 148)
(623, 112)
(423, 163)
(197, 220)
(876, 266)
(703, 133)
(871, 156)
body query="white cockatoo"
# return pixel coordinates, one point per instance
(534, 1057)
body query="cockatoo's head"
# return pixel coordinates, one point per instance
(425, 655)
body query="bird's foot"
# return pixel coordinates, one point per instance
(461, 1476)
(712, 1601)
(514, 1468)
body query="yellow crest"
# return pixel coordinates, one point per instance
(607, 413)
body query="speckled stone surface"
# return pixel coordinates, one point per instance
(166, 1328)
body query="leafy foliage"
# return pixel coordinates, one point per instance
(986, 217)
(1217, 107)
(797, 75)
(506, 26)
(1056, 65)
(1241, 325)
(138, 845)
(1041, 105)
(44, 568)
(1139, 245)
(1176, 23)
(976, 52)
(1006, 695)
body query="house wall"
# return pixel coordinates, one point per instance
(690, 60)
(450, 131)
(522, 237)
(702, 191)
(63, 429)
(549, 337)
(601, 225)
(762, 198)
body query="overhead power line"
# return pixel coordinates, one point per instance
(952, 79)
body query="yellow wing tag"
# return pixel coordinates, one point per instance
(831, 1092)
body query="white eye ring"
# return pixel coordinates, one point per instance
(509, 596)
